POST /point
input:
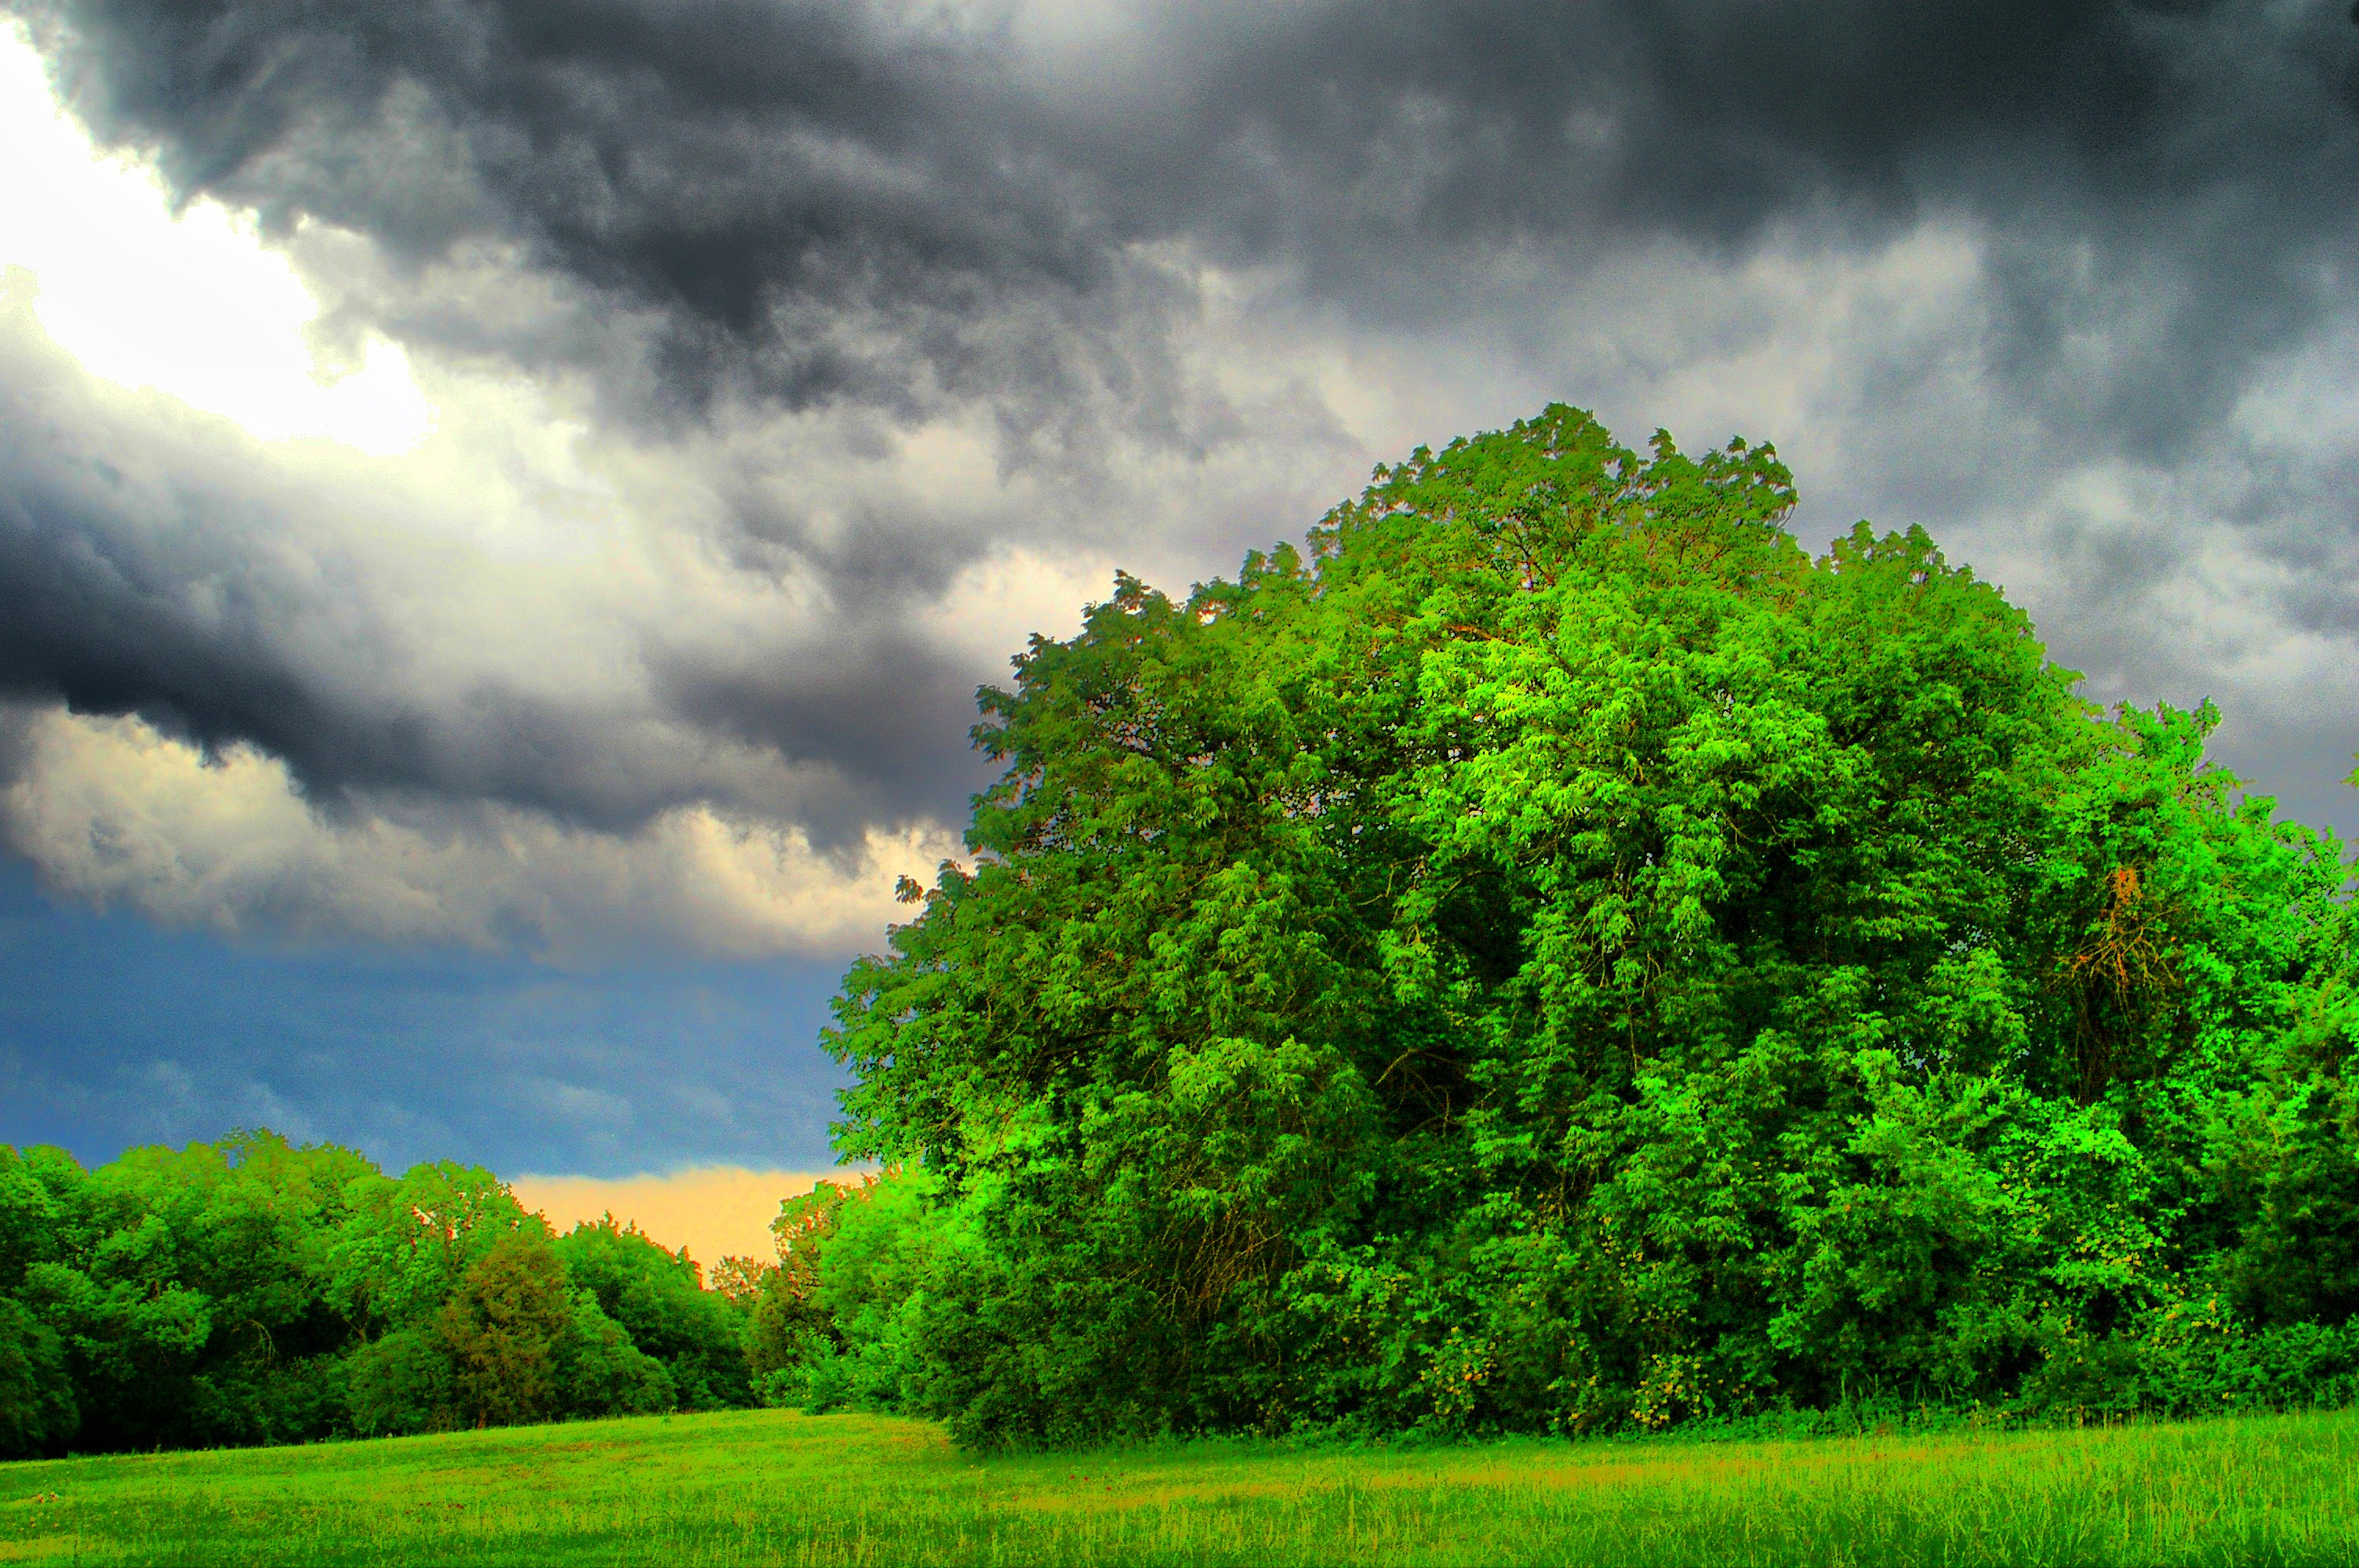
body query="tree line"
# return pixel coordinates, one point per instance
(250, 1290)
(1555, 955)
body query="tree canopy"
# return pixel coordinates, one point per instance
(1554, 955)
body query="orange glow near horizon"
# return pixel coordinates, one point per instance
(714, 1211)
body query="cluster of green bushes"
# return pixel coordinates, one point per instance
(1558, 957)
(251, 1292)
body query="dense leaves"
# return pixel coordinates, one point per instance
(1556, 955)
(250, 1291)
(658, 1298)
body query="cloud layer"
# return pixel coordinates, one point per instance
(118, 814)
(895, 203)
(793, 361)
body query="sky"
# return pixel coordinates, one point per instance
(505, 504)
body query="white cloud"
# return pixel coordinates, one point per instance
(116, 814)
(193, 305)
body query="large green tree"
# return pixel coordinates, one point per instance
(1558, 954)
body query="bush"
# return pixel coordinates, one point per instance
(36, 1402)
(401, 1383)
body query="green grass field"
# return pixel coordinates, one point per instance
(776, 1487)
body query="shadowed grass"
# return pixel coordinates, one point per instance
(770, 1486)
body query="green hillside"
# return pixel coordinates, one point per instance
(774, 1487)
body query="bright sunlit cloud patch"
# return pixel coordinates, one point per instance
(714, 1211)
(194, 306)
(118, 814)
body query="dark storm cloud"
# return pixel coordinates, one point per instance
(889, 700)
(755, 171)
(114, 617)
(758, 171)
(134, 584)
(2172, 178)
(890, 211)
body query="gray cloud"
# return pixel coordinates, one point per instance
(805, 194)
(874, 310)
(872, 203)
(163, 563)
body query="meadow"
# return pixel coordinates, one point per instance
(776, 1486)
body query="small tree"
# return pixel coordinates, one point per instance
(657, 1297)
(503, 1328)
(789, 1325)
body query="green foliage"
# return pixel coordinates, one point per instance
(1556, 957)
(191, 1287)
(28, 1218)
(501, 1330)
(658, 1300)
(887, 1247)
(36, 1402)
(402, 1382)
(600, 1372)
(410, 1242)
(791, 1326)
(251, 1292)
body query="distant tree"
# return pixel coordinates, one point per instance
(28, 1218)
(503, 1331)
(515, 1342)
(190, 1289)
(738, 1280)
(657, 1297)
(408, 1242)
(249, 1291)
(600, 1372)
(790, 1324)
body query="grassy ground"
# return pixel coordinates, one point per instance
(769, 1487)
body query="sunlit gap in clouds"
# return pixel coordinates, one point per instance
(193, 306)
(714, 1211)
